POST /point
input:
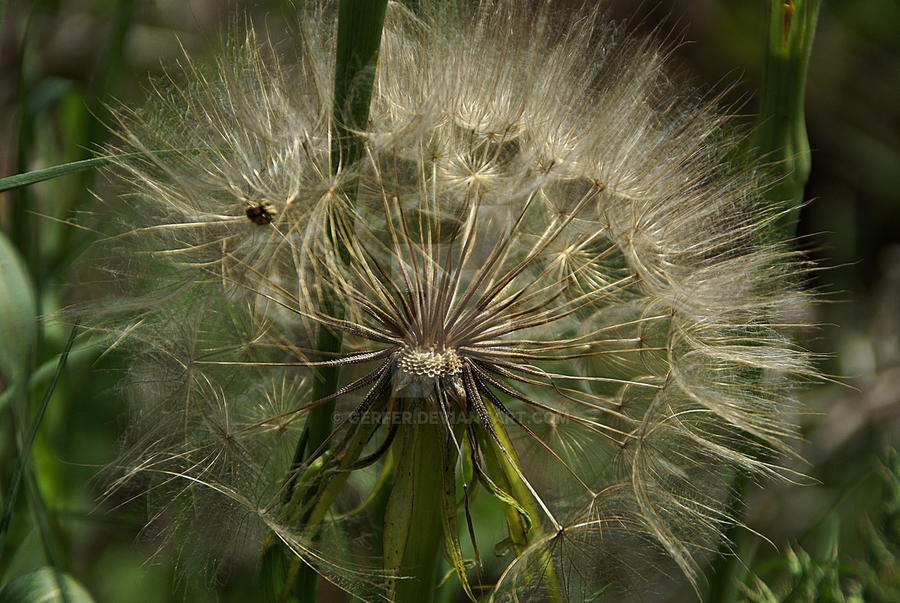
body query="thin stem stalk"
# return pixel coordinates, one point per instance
(360, 23)
(780, 135)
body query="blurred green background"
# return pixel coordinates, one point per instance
(834, 535)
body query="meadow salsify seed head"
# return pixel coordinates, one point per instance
(548, 248)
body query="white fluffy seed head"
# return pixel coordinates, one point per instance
(621, 269)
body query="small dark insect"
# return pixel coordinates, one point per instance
(261, 213)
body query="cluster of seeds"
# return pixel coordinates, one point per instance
(430, 363)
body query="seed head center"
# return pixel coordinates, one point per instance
(429, 362)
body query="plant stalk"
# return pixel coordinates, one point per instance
(780, 134)
(413, 519)
(360, 23)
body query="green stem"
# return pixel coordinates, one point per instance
(359, 36)
(413, 518)
(780, 135)
(321, 420)
(22, 227)
(360, 23)
(319, 487)
(726, 568)
(94, 128)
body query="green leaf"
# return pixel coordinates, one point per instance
(520, 508)
(507, 485)
(18, 329)
(43, 586)
(448, 520)
(18, 180)
(508, 500)
(57, 171)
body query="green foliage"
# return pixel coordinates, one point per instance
(45, 586)
(808, 579)
(57, 171)
(18, 327)
(870, 574)
(878, 571)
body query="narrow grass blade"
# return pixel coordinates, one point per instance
(56, 171)
(24, 452)
(19, 180)
(39, 512)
